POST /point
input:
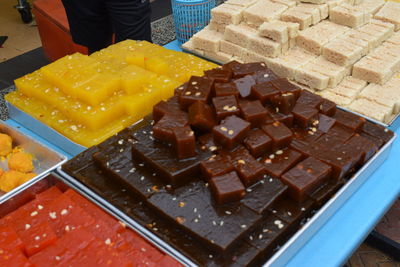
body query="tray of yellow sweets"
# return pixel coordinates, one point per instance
(79, 101)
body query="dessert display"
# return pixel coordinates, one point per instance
(329, 47)
(232, 165)
(62, 228)
(89, 98)
(16, 165)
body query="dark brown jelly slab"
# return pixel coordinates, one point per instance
(363, 146)
(283, 103)
(162, 159)
(225, 106)
(258, 143)
(219, 75)
(377, 131)
(225, 89)
(325, 192)
(304, 115)
(178, 91)
(206, 143)
(227, 188)
(231, 131)
(218, 226)
(241, 70)
(286, 87)
(266, 75)
(290, 211)
(216, 165)
(198, 89)
(230, 65)
(184, 142)
(201, 116)
(329, 142)
(253, 112)
(171, 106)
(244, 85)
(309, 99)
(280, 134)
(277, 164)
(341, 132)
(305, 177)
(325, 123)
(342, 164)
(263, 194)
(163, 129)
(286, 119)
(247, 167)
(377, 141)
(264, 91)
(327, 107)
(349, 120)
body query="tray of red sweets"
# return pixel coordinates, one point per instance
(239, 168)
(48, 223)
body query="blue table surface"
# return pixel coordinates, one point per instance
(347, 228)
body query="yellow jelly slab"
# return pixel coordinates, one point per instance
(134, 79)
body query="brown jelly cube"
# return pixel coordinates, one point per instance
(244, 85)
(377, 131)
(231, 131)
(284, 103)
(280, 162)
(163, 129)
(341, 163)
(285, 86)
(207, 143)
(166, 107)
(230, 65)
(198, 89)
(325, 123)
(280, 134)
(362, 145)
(226, 89)
(377, 141)
(185, 142)
(241, 70)
(201, 116)
(219, 75)
(304, 115)
(265, 76)
(248, 168)
(303, 139)
(342, 132)
(258, 143)
(264, 91)
(216, 165)
(178, 91)
(253, 112)
(286, 119)
(227, 188)
(310, 99)
(349, 120)
(306, 177)
(327, 107)
(327, 141)
(225, 106)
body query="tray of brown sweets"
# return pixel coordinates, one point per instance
(238, 168)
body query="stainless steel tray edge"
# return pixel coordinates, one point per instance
(287, 251)
(148, 235)
(44, 131)
(42, 151)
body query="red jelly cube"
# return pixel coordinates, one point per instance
(280, 162)
(219, 75)
(46, 197)
(231, 131)
(198, 89)
(225, 89)
(163, 129)
(304, 115)
(264, 91)
(201, 116)
(185, 142)
(227, 188)
(37, 237)
(306, 177)
(225, 106)
(13, 258)
(258, 143)
(216, 165)
(9, 239)
(253, 112)
(286, 87)
(280, 134)
(248, 169)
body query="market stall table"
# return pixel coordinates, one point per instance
(346, 229)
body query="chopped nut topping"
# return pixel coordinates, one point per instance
(224, 129)
(194, 83)
(272, 156)
(213, 148)
(181, 204)
(108, 241)
(268, 161)
(33, 214)
(230, 132)
(180, 220)
(279, 152)
(53, 215)
(240, 161)
(64, 212)
(188, 93)
(27, 226)
(197, 94)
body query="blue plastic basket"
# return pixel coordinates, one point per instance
(191, 16)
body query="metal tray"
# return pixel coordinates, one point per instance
(292, 246)
(44, 158)
(28, 193)
(46, 132)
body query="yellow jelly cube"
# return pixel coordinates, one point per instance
(157, 65)
(137, 60)
(134, 78)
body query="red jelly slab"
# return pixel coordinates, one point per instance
(264, 91)
(280, 162)
(198, 89)
(280, 134)
(327, 107)
(306, 177)
(219, 75)
(139, 244)
(225, 89)
(253, 112)
(244, 85)
(231, 131)
(216, 165)
(37, 237)
(201, 116)
(169, 261)
(286, 87)
(184, 142)
(47, 196)
(13, 258)
(225, 106)
(349, 120)
(258, 143)
(248, 168)
(163, 129)
(227, 188)
(9, 239)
